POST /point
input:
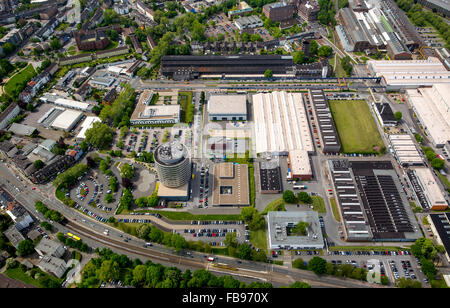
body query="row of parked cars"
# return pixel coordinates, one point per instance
(44, 234)
(371, 253)
(308, 252)
(93, 215)
(216, 222)
(204, 187)
(141, 221)
(147, 214)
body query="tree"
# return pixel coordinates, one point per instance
(108, 270)
(318, 265)
(301, 228)
(313, 47)
(268, 74)
(100, 135)
(325, 51)
(55, 44)
(398, 116)
(140, 274)
(304, 197)
(245, 252)
(437, 163)
(127, 171)
(25, 248)
(38, 164)
(300, 285)
(141, 202)
(299, 263)
(230, 239)
(142, 231)
(299, 57)
(289, 196)
(408, 283)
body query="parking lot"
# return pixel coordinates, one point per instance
(215, 232)
(394, 264)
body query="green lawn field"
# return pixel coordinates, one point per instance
(356, 127)
(19, 81)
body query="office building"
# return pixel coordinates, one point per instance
(227, 107)
(230, 185)
(172, 164)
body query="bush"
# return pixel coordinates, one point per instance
(299, 263)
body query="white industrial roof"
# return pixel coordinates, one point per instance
(66, 119)
(281, 123)
(227, 104)
(87, 124)
(299, 161)
(70, 103)
(430, 187)
(432, 106)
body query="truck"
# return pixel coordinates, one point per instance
(299, 187)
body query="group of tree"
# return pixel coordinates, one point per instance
(127, 171)
(326, 15)
(80, 245)
(99, 136)
(5, 67)
(49, 214)
(151, 275)
(118, 113)
(426, 251)
(321, 267)
(347, 65)
(253, 218)
(242, 250)
(125, 201)
(68, 177)
(432, 157)
(289, 197)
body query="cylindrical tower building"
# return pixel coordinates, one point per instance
(173, 164)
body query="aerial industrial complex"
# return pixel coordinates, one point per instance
(288, 143)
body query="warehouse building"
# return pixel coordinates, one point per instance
(281, 123)
(299, 165)
(384, 114)
(371, 201)
(249, 22)
(409, 74)
(227, 107)
(230, 185)
(426, 188)
(270, 181)
(281, 233)
(189, 67)
(432, 108)
(67, 120)
(329, 138)
(404, 150)
(66, 103)
(440, 225)
(8, 114)
(440, 6)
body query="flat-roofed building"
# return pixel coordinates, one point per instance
(67, 120)
(64, 102)
(404, 150)
(282, 235)
(409, 74)
(299, 164)
(440, 225)
(249, 22)
(431, 191)
(230, 185)
(227, 107)
(371, 202)
(147, 113)
(329, 138)
(384, 114)
(281, 123)
(432, 107)
(270, 181)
